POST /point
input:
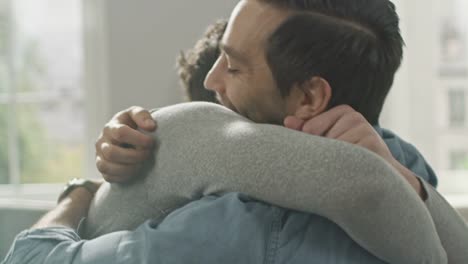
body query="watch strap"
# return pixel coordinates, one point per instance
(77, 183)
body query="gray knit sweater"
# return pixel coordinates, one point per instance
(205, 149)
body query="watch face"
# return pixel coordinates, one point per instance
(76, 181)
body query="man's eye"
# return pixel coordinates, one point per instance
(232, 71)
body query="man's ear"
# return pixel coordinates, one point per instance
(311, 98)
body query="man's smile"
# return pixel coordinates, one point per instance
(226, 103)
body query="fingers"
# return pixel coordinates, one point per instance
(143, 119)
(294, 123)
(353, 135)
(117, 163)
(348, 122)
(136, 117)
(118, 173)
(121, 149)
(354, 128)
(345, 124)
(121, 155)
(120, 134)
(322, 123)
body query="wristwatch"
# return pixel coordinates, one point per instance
(76, 183)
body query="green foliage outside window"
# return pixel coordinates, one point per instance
(464, 164)
(42, 160)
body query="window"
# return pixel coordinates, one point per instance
(453, 47)
(453, 41)
(41, 96)
(454, 62)
(459, 160)
(457, 105)
(428, 103)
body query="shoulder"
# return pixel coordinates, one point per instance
(195, 110)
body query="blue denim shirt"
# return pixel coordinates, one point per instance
(227, 229)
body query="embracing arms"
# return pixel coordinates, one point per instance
(301, 172)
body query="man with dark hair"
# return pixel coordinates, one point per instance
(299, 59)
(262, 75)
(311, 43)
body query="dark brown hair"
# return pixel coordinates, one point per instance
(355, 45)
(194, 65)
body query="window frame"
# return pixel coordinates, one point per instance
(95, 74)
(453, 115)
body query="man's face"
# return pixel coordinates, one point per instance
(241, 76)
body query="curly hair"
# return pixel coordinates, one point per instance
(194, 64)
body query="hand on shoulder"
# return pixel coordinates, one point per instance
(121, 148)
(346, 124)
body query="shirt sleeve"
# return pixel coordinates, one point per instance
(184, 236)
(408, 155)
(61, 245)
(417, 163)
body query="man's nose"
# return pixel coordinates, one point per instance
(213, 80)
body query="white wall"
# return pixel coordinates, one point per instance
(131, 49)
(398, 103)
(144, 38)
(410, 109)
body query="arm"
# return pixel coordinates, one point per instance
(69, 212)
(343, 123)
(452, 229)
(176, 239)
(204, 149)
(62, 245)
(53, 238)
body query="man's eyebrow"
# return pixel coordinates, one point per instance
(233, 53)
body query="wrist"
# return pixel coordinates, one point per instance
(81, 195)
(78, 201)
(69, 212)
(410, 177)
(90, 186)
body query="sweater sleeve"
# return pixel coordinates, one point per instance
(452, 229)
(205, 149)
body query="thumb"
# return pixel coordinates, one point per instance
(294, 123)
(143, 119)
